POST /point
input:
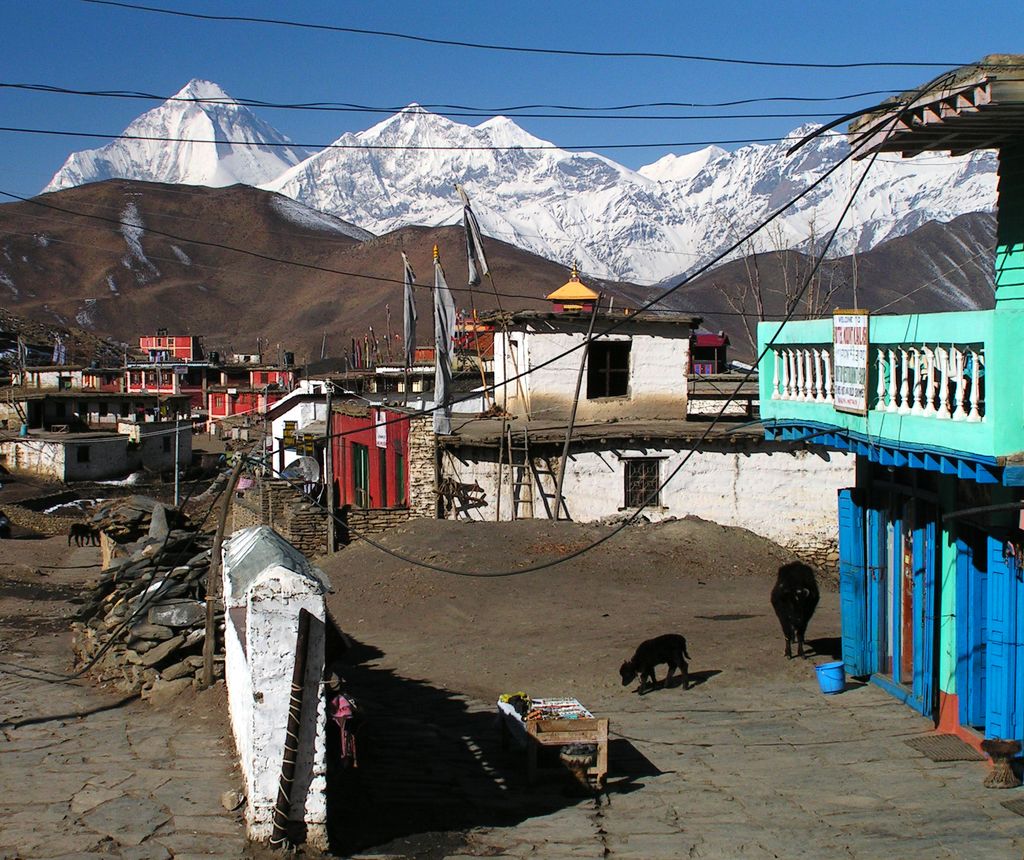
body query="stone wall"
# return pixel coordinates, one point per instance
(276, 503)
(422, 451)
(371, 521)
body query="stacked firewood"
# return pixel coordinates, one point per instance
(144, 625)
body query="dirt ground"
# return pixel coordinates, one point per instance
(566, 629)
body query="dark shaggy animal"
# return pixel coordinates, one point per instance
(83, 534)
(670, 649)
(794, 599)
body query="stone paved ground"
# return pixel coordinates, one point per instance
(745, 764)
(764, 770)
(84, 773)
(772, 770)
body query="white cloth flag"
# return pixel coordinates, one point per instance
(409, 320)
(474, 243)
(444, 334)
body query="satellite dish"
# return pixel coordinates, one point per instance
(305, 469)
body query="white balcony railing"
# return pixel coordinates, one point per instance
(946, 382)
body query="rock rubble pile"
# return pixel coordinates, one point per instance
(144, 625)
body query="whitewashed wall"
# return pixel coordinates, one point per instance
(267, 582)
(787, 497)
(658, 368)
(58, 458)
(302, 413)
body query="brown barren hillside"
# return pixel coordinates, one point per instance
(121, 258)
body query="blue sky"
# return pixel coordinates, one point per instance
(76, 44)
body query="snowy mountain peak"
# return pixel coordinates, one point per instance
(677, 168)
(213, 142)
(645, 225)
(197, 88)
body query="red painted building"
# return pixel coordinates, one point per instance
(164, 347)
(223, 402)
(371, 456)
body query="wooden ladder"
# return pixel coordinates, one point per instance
(521, 471)
(528, 480)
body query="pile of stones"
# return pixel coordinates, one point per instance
(144, 625)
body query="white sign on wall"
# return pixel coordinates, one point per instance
(850, 361)
(381, 428)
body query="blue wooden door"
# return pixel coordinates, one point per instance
(925, 629)
(853, 583)
(1002, 709)
(971, 625)
(877, 592)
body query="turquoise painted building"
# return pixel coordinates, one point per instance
(931, 540)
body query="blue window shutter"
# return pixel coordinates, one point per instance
(852, 582)
(1000, 668)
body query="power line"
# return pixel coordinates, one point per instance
(438, 107)
(263, 144)
(518, 49)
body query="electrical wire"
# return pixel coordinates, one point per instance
(433, 107)
(518, 49)
(382, 147)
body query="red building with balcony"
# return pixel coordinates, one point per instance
(164, 347)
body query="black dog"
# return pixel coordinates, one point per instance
(83, 534)
(794, 599)
(670, 649)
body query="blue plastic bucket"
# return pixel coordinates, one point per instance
(831, 677)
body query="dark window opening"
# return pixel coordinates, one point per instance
(167, 444)
(60, 409)
(83, 453)
(400, 499)
(642, 482)
(608, 369)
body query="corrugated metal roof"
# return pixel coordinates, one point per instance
(250, 551)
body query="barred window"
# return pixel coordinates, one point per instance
(643, 478)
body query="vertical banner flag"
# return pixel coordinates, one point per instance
(444, 332)
(409, 322)
(474, 244)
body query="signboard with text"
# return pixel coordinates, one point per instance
(380, 420)
(850, 361)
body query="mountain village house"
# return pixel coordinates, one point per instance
(930, 531)
(632, 430)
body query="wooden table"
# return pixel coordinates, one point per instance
(554, 732)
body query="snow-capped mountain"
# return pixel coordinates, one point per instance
(645, 225)
(190, 161)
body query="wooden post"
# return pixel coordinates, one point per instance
(282, 808)
(329, 480)
(213, 575)
(572, 414)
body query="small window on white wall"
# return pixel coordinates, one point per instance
(643, 480)
(608, 369)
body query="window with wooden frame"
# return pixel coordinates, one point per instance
(643, 480)
(361, 474)
(608, 369)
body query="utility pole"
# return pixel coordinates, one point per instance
(329, 478)
(177, 447)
